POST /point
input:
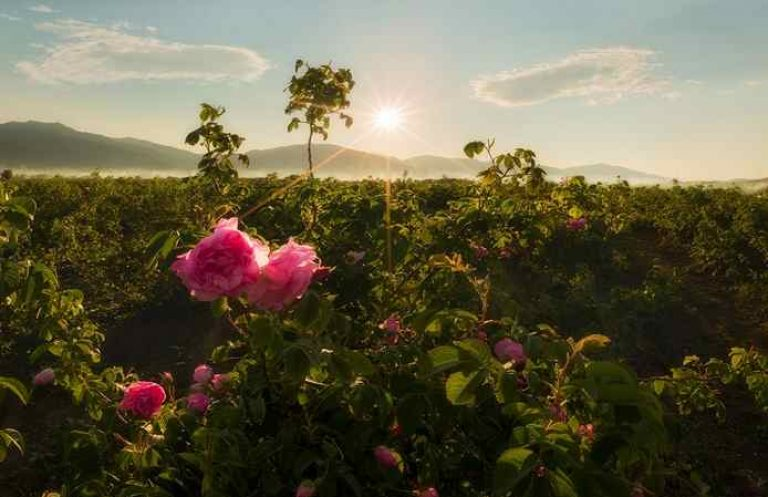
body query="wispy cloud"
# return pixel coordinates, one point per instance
(9, 17)
(87, 53)
(42, 9)
(756, 82)
(597, 76)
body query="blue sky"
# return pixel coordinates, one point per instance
(678, 88)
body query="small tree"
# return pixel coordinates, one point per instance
(216, 163)
(318, 93)
(508, 167)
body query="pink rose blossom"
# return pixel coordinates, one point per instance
(306, 489)
(385, 457)
(44, 377)
(198, 402)
(429, 492)
(225, 263)
(219, 382)
(143, 399)
(203, 374)
(507, 350)
(286, 277)
(576, 224)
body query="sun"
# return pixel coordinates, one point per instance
(388, 118)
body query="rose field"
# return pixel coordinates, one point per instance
(509, 336)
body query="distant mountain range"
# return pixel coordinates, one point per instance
(52, 148)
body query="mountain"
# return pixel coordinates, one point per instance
(52, 148)
(329, 161)
(608, 173)
(37, 146)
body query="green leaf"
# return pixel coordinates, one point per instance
(562, 486)
(15, 387)
(460, 387)
(591, 343)
(444, 358)
(357, 362)
(474, 148)
(476, 349)
(511, 468)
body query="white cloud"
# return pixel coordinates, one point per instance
(42, 9)
(151, 29)
(598, 76)
(88, 53)
(756, 82)
(9, 17)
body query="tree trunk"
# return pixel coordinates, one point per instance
(309, 152)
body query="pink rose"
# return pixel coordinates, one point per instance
(306, 489)
(429, 492)
(44, 377)
(198, 402)
(225, 263)
(203, 374)
(508, 350)
(286, 277)
(576, 224)
(219, 382)
(386, 457)
(143, 399)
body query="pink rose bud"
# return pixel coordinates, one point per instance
(507, 350)
(306, 489)
(391, 324)
(540, 471)
(44, 377)
(219, 382)
(286, 277)
(429, 492)
(166, 376)
(480, 251)
(203, 374)
(225, 263)
(587, 431)
(558, 412)
(396, 430)
(576, 224)
(385, 457)
(482, 335)
(505, 253)
(143, 399)
(198, 402)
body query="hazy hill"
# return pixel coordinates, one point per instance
(34, 145)
(329, 160)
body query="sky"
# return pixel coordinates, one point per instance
(672, 87)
